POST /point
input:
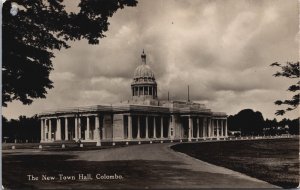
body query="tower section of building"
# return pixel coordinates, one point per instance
(143, 85)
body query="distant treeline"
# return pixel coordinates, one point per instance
(249, 122)
(23, 129)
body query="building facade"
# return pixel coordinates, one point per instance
(142, 118)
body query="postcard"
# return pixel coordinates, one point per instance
(140, 94)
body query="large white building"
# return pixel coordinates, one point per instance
(142, 118)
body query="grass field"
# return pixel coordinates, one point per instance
(275, 160)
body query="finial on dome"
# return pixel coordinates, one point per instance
(143, 56)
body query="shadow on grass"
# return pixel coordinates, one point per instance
(275, 161)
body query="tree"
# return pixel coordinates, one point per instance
(22, 129)
(39, 27)
(294, 126)
(248, 121)
(289, 70)
(233, 124)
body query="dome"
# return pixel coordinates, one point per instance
(143, 71)
(143, 85)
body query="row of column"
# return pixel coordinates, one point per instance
(46, 129)
(219, 128)
(129, 136)
(137, 92)
(210, 128)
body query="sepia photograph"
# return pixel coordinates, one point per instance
(150, 94)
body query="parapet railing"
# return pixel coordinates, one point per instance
(129, 108)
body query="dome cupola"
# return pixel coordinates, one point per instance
(143, 70)
(144, 84)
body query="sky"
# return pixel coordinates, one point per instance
(221, 49)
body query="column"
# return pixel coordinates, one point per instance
(190, 128)
(138, 127)
(181, 129)
(211, 127)
(79, 127)
(50, 131)
(103, 131)
(208, 126)
(154, 127)
(204, 127)
(224, 121)
(87, 128)
(97, 135)
(147, 135)
(222, 131)
(217, 125)
(66, 129)
(205, 132)
(162, 127)
(198, 128)
(171, 126)
(129, 127)
(152, 91)
(58, 129)
(148, 92)
(76, 128)
(42, 130)
(46, 130)
(226, 134)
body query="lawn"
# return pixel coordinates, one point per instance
(274, 160)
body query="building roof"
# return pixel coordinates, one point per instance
(163, 108)
(143, 71)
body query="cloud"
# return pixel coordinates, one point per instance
(221, 49)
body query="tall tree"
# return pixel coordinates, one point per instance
(32, 32)
(248, 121)
(289, 70)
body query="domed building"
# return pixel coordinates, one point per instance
(144, 118)
(144, 85)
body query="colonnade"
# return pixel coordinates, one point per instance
(144, 90)
(134, 127)
(153, 127)
(206, 127)
(51, 128)
(219, 127)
